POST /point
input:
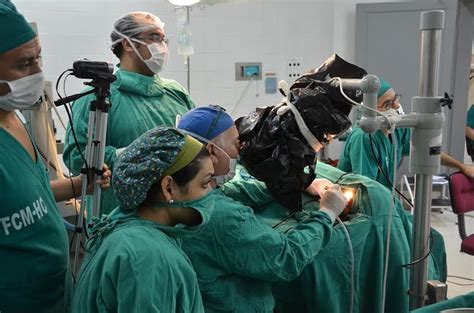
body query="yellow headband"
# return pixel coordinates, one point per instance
(190, 150)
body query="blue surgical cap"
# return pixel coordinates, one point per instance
(208, 122)
(384, 87)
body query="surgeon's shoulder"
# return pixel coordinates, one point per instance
(228, 210)
(358, 136)
(142, 241)
(148, 254)
(172, 84)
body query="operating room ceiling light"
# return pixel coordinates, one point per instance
(183, 2)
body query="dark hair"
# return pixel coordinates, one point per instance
(117, 49)
(182, 177)
(126, 25)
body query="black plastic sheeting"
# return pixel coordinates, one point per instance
(274, 150)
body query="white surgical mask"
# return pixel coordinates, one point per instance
(219, 179)
(222, 179)
(158, 52)
(400, 110)
(24, 92)
(393, 116)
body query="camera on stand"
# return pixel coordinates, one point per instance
(101, 75)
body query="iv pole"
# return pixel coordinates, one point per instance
(188, 59)
(185, 47)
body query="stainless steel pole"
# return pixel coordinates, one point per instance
(188, 58)
(431, 25)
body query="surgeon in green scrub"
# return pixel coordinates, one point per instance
(362, 151)
(34, 275)
(236, 256)
(134, 262)
(141, 99)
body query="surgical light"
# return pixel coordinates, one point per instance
(183, 2)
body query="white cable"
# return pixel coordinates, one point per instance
(351, 251)
(389, 227)
(242, 95)
(344, 95)
(360, 104)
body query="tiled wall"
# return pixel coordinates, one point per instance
(267, 31)
(271, 32)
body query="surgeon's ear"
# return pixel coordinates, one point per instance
(126, 45)
(212, 153)
(168, 188)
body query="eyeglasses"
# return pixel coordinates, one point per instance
(327, 139)
(216, 119)
(387, 104)
(155, 38)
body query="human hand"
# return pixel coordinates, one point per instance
(103, 181)
(319, 186)
(333, 201)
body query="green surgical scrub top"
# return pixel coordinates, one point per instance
(237, 257)
(357, 156)
(324, 284)
(139, 103)
(34, 275)
(136, 265)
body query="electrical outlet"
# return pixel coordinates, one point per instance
(294, 68)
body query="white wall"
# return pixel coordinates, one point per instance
(271, 32)
(267, 31)
(344, 22)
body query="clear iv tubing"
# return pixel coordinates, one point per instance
(390, 212)
(351, 251)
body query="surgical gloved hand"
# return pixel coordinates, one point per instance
(333, 202)
(319, 186)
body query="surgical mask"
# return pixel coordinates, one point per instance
(158, 52)
(400, 110)
(220, 179)
(24, 92)
(393, 116)
(204, 205)
(101, 227)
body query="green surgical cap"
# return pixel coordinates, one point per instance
(15, 30)
(384, 86)
(159, 152)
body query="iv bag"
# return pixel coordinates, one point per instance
(185, 42)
